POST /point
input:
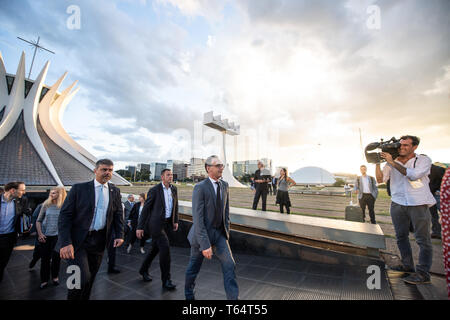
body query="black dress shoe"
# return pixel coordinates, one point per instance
(113, 270)
(145, 276)
(168, 285)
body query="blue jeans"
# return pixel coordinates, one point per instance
(402, 216)
(221, 249)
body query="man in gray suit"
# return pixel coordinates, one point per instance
(209, 233)
(367, 191)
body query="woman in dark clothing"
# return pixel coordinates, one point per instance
(47, 229)
(135, 213)
(284, 183)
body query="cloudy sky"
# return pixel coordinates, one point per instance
(300, 77)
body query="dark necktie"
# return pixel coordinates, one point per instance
(218, 217)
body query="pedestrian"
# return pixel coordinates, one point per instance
(135, 214)
(284, 183)
(210, 231)
(47, 229)
(86, 220)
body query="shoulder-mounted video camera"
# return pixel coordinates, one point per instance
(391, 146)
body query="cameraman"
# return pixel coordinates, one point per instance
(411, 197)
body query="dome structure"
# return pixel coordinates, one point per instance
(313, 175)
(34, 147)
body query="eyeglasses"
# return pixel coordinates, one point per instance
(218, 166)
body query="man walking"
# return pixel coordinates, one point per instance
(90, 213)
(159, 216)
(411, 197)
(367, 191)
(209, 233)
(11, 213)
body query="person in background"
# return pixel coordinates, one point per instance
(47, 229)
(11, 213)
(269, 186)
(2, 191)
(160, 218)
(128, 205)
(367, 191)
(284, 183)
(261, 187)
(135, 214)
(274, 185)
(436, 175)
(445, 220)
(252, 184)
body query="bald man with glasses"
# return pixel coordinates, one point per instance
(210, 231)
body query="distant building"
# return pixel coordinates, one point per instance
(196, 169)
(155, 170)
(238, 168)
(143, 166)
(131, 169)
(179, 169)
(241, 168)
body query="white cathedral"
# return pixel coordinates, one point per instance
(34, 147)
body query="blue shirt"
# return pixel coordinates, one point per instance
(168, 201)
(7, 213)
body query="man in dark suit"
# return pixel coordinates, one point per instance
(128, 205)
(261, 187)
(210, 230)
(159, 217)
(11, 215)
(90, 213)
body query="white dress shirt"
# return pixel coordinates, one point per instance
(168, 200)
(215, 186)
(412, 189)
(105, 190)
(365, 180)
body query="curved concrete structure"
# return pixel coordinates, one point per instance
(34, 147)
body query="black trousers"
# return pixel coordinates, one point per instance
(88, 258)
(260, 192)
(132, 238)
(369, 201)
(269, 186)
(274, 189)
(50, 260)
(161, 245)
(7, 242)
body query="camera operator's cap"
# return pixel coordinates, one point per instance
(209, 161)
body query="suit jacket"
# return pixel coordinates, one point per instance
(77, 213)
(128, 208)
(134, 215)
(372, 186)
(203, 212)
(153, 214)
(21, 207)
